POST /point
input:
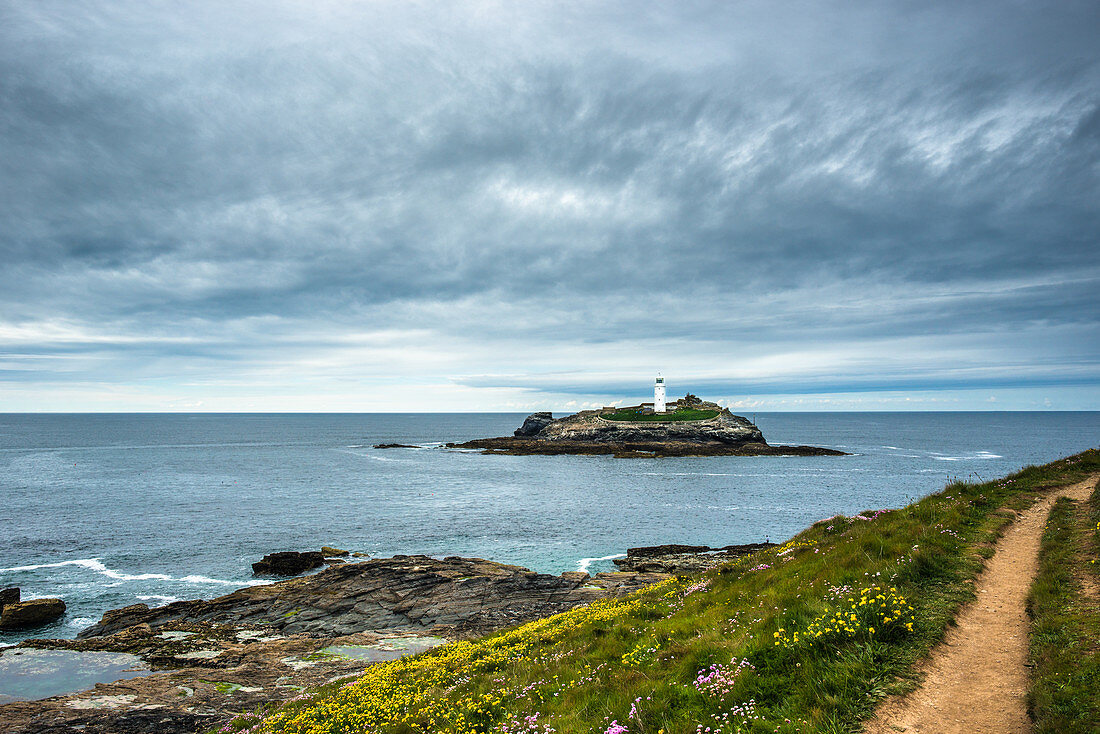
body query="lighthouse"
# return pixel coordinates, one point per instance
(659, 395)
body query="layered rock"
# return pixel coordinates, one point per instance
(683, 559)
(453, 596)
(262, 643)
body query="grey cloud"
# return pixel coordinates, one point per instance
(172, 169)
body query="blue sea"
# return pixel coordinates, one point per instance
(109, 510)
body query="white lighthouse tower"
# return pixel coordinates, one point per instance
(659, 395)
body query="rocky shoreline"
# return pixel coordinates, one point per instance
(212, 659)
(215, 658)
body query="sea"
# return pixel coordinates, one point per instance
(108, 510)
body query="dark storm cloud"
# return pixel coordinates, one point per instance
(219, 182)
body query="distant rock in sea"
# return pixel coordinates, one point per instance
(24, 614)
(288, 563)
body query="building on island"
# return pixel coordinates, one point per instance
(659, 395)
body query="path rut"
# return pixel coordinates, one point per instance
(976, 679)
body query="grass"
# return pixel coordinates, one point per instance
(804, 637)
(681, 414)
(1065, 635)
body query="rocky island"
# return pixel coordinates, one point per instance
(689, 427)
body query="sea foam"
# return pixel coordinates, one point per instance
(584, 563)
(97, 566)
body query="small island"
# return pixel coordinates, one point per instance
(685, 427)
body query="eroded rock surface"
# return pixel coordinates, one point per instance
(683, 559)
(462, 596)
(216, 672)
(218, 657)
(535, 423)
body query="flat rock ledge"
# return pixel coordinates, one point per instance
(218, 657)
(683, 559)
(455, 597)
(591, 432)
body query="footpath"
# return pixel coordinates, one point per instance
(976, 680)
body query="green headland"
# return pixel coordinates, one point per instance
(804, 637)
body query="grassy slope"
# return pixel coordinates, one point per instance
(775, 642)
(1065, 638)
(682, 414)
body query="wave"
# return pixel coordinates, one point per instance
(95, 565)
(584, 563)
(91, 564)
(157, 597)
(196, 579)
(119, 576)
(80, 622)
(371, 457)
(689, 474)
(977, 455)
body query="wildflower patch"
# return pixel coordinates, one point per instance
(873, 612)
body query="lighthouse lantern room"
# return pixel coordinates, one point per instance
(659, 395)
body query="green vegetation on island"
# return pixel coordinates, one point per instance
(681, 414)
(804, 637)
(1065, 656)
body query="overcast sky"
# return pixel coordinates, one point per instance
(375, 206)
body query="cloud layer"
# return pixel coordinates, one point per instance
(510, 205)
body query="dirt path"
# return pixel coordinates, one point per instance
(976, 680)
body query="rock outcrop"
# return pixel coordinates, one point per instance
(721, 433)
(534, 424)
(683, 559)
(454, 596)
(33, 613)
(261, 644)
(288, 563)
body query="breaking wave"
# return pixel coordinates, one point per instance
(585, 563)
(96, 566)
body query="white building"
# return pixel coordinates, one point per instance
(659, 395)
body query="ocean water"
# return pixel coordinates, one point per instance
(109, 510)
